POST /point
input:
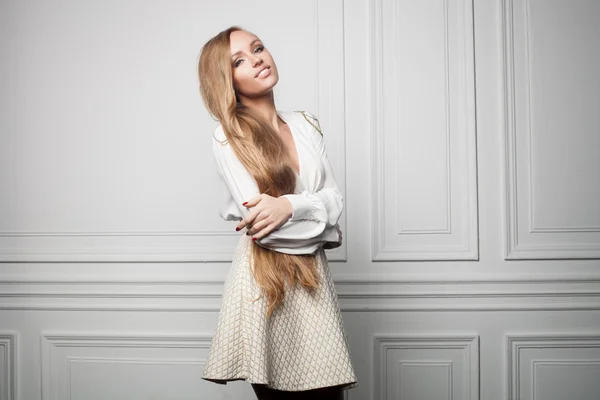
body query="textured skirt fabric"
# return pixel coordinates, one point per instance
(302, 346)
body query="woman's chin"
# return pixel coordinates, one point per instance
(267, 88)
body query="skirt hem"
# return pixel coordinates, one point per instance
(224, 381)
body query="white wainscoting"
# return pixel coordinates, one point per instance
(102, 366)
(354, 295)
(553, 367)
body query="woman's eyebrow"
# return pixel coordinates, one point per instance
(239, 51)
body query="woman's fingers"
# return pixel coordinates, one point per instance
(263, 232)
(253, 201)
(270, 214)
(260, 222)
(249, 220)
(252, 219)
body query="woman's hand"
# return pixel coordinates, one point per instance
(268, 214)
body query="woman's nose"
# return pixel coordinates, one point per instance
(257, 61)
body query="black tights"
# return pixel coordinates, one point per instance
(265, 393)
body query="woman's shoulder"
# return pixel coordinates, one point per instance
(308, 119)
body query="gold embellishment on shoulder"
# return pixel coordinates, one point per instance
(222, 142)
(308, 118)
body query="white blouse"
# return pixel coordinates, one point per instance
(317, 203)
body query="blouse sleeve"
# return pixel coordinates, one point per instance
(326, 204)
(314, 218)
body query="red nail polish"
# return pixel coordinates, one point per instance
(244, 203)
(237, 229)
(254, 239)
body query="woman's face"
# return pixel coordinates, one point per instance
(248, 58)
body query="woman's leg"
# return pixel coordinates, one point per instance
(334, 393)
(265, 393)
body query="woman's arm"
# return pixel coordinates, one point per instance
(314, 218)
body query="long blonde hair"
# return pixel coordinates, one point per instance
(260, 149)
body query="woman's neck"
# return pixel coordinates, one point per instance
(265, 107)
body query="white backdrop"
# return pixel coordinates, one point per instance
(464, 136)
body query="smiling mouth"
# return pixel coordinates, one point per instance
(261, 71)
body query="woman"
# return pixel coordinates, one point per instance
(280, 327)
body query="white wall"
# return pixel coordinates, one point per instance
(465, 137)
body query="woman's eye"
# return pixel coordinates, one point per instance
(259, 49)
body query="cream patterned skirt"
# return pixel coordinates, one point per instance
(303, 345)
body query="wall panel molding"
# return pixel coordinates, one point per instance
(524, 237)
(70, 348)
(354, 295)
(403, 227)
(8, 365)
(458, 354)
(526, 353)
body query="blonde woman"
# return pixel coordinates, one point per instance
(280, 326)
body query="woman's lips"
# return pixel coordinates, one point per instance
(264, 73)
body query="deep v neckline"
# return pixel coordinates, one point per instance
(295, 144)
